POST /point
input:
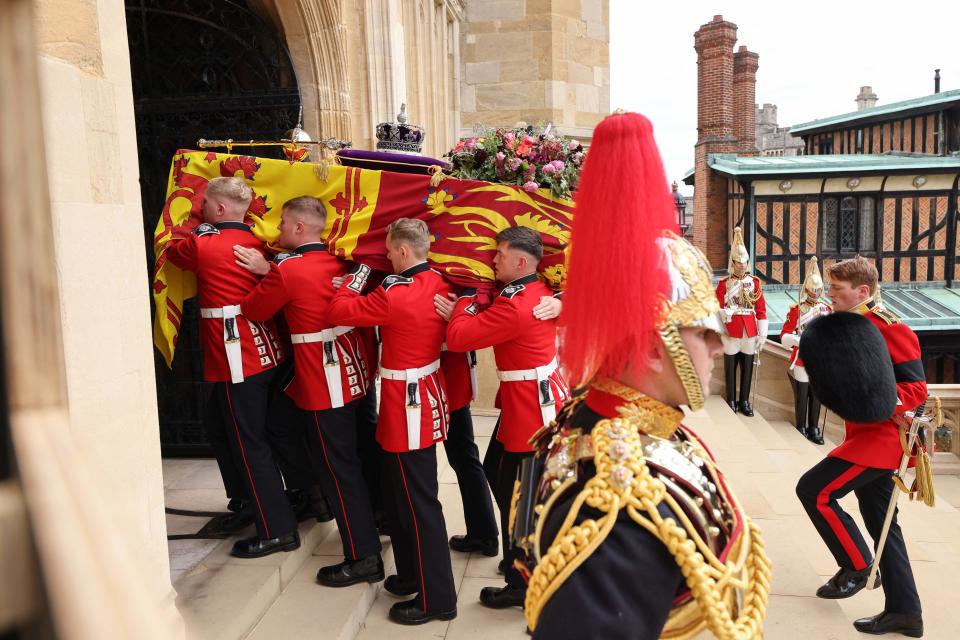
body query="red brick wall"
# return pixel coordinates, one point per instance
(745, 64)
(713, 43)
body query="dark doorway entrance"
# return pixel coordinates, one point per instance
(201, 69)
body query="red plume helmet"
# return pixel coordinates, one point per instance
(617, 274)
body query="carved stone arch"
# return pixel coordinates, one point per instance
(315, 32)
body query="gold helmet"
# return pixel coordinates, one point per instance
(690, 302)
(738, 252)
(813, 284)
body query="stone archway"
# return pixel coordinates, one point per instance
(315, 32)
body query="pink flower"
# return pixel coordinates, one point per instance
(530, 186)
(549, 169)
(508, 137)
(471, 144)
(556, 164)
(513, 164)
(574, 145)
(500, 157)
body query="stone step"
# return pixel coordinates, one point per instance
(305, 609)
(223, 598)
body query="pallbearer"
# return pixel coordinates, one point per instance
(745, 314)
(330, 377)
(806, 404)
(239, 356)
(414, 415)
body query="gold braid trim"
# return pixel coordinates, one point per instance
(623, 481)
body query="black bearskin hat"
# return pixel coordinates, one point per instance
(849, 367)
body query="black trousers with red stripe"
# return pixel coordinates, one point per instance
(417, 527)
(333, 436)
(464, 457)
(219, 440)
(244, 407)
(819, 490)
(503, 469)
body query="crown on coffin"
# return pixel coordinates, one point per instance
(399, 136)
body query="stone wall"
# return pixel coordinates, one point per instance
(536, 61)
(91, 153)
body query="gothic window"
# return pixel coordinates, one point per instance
(849, 225)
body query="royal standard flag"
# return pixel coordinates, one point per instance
(464, 217)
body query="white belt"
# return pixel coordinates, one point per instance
(472, 361)
(327, 335)
(231, 337)
(412, 377)
(743, 312)
(548, 405)
(331, 359)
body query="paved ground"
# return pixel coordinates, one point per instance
(276, 597)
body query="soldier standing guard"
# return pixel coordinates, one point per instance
(413, 415)
(239, 356)
(330, 377)
(810, 307)
(628, 526)
(745, 313)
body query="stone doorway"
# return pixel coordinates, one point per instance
(200, 69)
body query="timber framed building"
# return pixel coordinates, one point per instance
(881, 182)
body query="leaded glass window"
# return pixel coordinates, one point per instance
(830, 224)
(848, 224)
(867, 222)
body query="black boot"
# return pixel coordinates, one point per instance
(746, 378)
(730, 373)
(814, 434)
(502, 597)
(348, 572)
(256, 547)
(909, 624)
(802, 390)
(845, 583)
(240, 518)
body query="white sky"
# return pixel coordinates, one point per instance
(814, 56)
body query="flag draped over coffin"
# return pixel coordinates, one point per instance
(464, 217)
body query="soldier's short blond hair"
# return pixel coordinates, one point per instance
(231, 189)
(308, 205)
(857, 271)
(411, 232)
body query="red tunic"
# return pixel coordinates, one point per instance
(456, 367)
(520, 342)
(743, 325)
(878, 445)
(412, 334)
(208, 252)
(790, 326)
(301, 285)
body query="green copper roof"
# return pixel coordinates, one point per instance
(924, 306)
(927, 103)
(777, 166)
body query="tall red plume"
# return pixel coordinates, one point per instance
(617, 272)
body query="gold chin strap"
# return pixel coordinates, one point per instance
(689, 378)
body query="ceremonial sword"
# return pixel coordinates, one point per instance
(892, 506)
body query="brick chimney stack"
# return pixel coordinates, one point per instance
(714, 43)
(745, 65)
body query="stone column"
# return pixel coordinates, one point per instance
(526, 60)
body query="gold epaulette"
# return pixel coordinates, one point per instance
(727, 597)
(886, 315)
